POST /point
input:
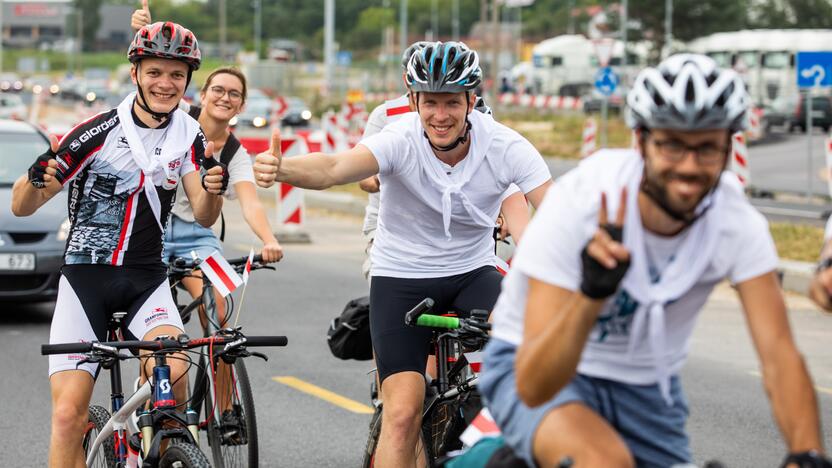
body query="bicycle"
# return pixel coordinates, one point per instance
(231, 431)
(453, 387)
(106, 439)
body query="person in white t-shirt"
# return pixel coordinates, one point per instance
(820, 289)
(443, 170)
(595, 318)
(514, 209)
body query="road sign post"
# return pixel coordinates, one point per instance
(605, 82)
(814, 71)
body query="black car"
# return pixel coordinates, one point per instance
(31, 247)
(790, 112)
(297, 113)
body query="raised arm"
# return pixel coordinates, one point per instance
(317, 171)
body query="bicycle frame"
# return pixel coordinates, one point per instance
(118, 421)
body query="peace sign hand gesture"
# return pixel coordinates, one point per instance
(605, 258)
(267, 163)
(140, 17)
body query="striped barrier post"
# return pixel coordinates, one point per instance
(739, 158)
(589, 137)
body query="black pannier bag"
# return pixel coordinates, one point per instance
(348, 335)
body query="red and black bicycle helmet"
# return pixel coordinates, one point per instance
(165, 40)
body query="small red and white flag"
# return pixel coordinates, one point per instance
(482, 426)
(221, 273)
(474, 359)
(502, 265)
(247, 269)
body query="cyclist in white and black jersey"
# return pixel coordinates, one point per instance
(595, 318)
(514, 208)
(444, 170)
(122, 167)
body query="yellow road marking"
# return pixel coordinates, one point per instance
(826, 390)
(324, 394)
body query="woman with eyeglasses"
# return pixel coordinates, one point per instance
(222, 97)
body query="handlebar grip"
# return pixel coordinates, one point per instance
(65, 348)
(266, 341)
(414, 313)
(437, 321)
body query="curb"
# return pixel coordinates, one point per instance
(794, 276)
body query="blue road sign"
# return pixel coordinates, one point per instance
(344, 58)
(606, 81)
(814, 69)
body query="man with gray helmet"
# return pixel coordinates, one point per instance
(444, 170)
(595, 318)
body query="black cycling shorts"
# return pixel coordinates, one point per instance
(88, 295)
(400, 348)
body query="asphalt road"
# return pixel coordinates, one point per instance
(729, 420)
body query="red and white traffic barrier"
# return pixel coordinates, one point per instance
(755, 128)
(289, 199)
(540, 101)
(279, 111)
(739, 158)
(589, 138)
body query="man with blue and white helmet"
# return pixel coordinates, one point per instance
(595, 318)
(444, 170)
(514, 208)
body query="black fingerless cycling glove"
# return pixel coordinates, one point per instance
(808, 459)
(207, 164)
(38, 169)
(600, 282)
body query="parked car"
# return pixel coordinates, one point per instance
(256, 113)
(31, 247)
(297, 113)
(10, 82)
(12, 106)
(790, 112)
(593, 101)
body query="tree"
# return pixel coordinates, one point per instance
(90, 21)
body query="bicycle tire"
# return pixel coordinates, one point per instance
(183, 455)
(223, 453)
(372, 439)
(97, 419)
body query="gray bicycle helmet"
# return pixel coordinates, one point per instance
(444, 67)
(688, 92)
(412, 49)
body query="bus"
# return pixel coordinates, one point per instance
(765, 58)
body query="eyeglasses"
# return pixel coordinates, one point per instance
(675, 151)
(219, 91)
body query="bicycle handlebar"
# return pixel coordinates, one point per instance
(413, 314)
(181, 343)
(182, 265)
(437, 321)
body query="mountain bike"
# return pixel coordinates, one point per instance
(105, 440)
(221, 391)
(451, 392)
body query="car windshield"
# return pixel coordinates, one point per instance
(257, 107)
(18, 151)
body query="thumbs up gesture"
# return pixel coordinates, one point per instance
(267, 163)
(43, 171)
(140, 17)
(214, 173)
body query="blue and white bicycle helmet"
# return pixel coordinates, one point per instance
(412, 49)
(444, 67)
(688, 92)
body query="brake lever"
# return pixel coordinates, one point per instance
(260, 355)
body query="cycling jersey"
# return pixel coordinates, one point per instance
(437, 220)
(112, 221)
(642, 335)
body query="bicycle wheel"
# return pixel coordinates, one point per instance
(233, 439)
(97, 419)
(372, 440)
(183, 455)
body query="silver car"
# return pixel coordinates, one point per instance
(31, 247)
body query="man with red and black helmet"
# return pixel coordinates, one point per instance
(122, 167)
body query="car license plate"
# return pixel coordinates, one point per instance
(19, 262)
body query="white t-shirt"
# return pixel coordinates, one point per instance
(434, 224)
(735, 234)
(382, 115)
(239, 170)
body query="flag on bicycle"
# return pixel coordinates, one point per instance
(221, 273)
(247, 269)
(482, 426)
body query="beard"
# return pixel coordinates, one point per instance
(685, 209)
